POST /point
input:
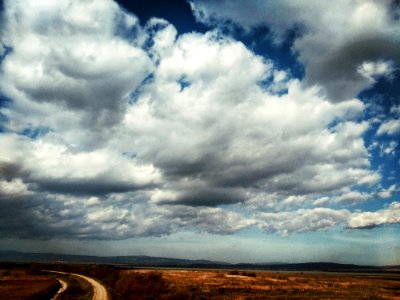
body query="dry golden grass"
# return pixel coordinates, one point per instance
(163, 284)
(243, 285)
(19, 284)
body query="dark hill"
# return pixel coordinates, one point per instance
(148, 261)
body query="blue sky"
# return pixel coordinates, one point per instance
(254, 131)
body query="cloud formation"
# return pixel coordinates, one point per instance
(118, 130)
(343, 46)
(389, 215)
(74, 64)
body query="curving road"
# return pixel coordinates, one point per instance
(99, 291)
(63, 287)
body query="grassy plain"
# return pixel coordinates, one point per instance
(21, 284)
(265, 285)
(176, 284)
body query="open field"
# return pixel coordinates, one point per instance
(262, 285)
(174, 284)
(21, 284)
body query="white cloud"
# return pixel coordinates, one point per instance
(387, 193)
(389, 127)
(148, 133)
(49, 165)
(223, 128)
(352, 197)
(390, 215)
(70, 64)
(388, 148)
(12, 188)
(302, 220)
(373, 70)
(341, 43)
(395, 109)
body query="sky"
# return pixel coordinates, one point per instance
(237, 131)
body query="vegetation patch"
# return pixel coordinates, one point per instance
(21, 284)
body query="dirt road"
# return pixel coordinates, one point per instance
(63, 287)
(99, 291)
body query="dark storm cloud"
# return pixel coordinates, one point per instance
(43, 216)
(206, 197)
(339, 72)
(96, 186)
(36, 217)
(10, 170)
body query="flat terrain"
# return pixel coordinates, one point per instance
(262, 285)
(101, 282)
(20, 284)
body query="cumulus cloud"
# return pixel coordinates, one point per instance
(49, 166)
(388, 148)
(387, 193)
(222, 128)
(71, 60)
(352, 197)
(389, 127)
(389, 215)
(108, 217)
(117, 130)
(302, 220)
(342, 44)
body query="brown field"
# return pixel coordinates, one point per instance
(173, 284)
(18, 284)
(263, 285)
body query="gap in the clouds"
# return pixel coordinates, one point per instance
(379, 101)
(6, 51)
(177, 12)
(134, 95)
(124, 31)
(385, 92)
(35, 132)
(130, 155)
(4, 102)
(184, 83)
(268, 82)
(259, 40)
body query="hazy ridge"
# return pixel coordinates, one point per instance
(149, 261)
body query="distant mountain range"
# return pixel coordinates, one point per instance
(148, 261)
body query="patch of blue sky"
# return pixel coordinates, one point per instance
(35, 132)
(129, 33)
(3, 121)
(184, 83)
(268, 82)
(4, 102)
(7, 50)
(184, 21)
(385, 157)
(130, 155)
(134, 95)
(383, 95)
(259, 41)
